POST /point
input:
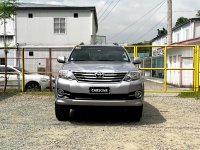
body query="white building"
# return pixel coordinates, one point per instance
(185, 34)
(10, 39)
(53, 26)
(38, 24)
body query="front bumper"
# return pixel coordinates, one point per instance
(79, 95)
(92, 102)
(115, 88)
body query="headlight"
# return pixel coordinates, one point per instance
(132, 75)
(66, 74)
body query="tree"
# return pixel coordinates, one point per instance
(198, 13)
(181, 20)
(7, 11)
(161, 32)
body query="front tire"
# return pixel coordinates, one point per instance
(62, 112)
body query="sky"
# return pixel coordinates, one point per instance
(131, 21)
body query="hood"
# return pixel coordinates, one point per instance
(103, 66)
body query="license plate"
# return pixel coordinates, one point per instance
(100, 90)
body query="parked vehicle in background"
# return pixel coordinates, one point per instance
(99, 76)
(32, 81)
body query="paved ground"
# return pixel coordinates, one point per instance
(169, 122)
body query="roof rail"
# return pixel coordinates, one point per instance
(116, 44)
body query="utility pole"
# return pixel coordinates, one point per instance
(169, 22)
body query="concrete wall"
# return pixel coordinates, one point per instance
(94, 28)
(183, 33)
(40, 59)
(197, 29)
(10, 26)
(11, 55)
(180, 58)
(160, 41)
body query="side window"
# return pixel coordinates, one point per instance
(31, 53)
(125, 58)
(2, 61)
(10, 70)
(30, 15)
(75, 15)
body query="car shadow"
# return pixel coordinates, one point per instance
(8, 93)
(115, 117)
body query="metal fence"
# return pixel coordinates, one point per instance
(32, 60)
(175, 68)
(179, 69)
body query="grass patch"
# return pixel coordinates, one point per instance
(12, 92)
(40, 93)
(190, 95)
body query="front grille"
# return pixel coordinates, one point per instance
(91, 77)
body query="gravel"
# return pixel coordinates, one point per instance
(169, 122)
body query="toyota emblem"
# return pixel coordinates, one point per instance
(99, 75)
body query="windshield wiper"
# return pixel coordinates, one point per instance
(104, 60)
(80, 60)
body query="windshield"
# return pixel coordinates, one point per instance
(99, 53)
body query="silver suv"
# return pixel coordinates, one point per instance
(99, 76)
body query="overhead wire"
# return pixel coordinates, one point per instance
(99, 11)
(107, 8)
(133, 23)
(140, 37)
(153, 12)
(185, 11)
(101, 20)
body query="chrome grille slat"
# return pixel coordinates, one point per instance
(91, 77)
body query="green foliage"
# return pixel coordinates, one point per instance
(190, 95)
(161, 32)
(7, 9)
(198, 13)
(181, 20)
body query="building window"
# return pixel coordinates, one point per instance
(30, 15)
(174, 59)
(30, 53)
(2, 61)
(75, 15)
(59, 25)
(170, 60)
(9, 39)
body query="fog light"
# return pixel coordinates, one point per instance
(61, 92)
(138, 94)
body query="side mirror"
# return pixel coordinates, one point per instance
(137, 60)
(61, 59)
